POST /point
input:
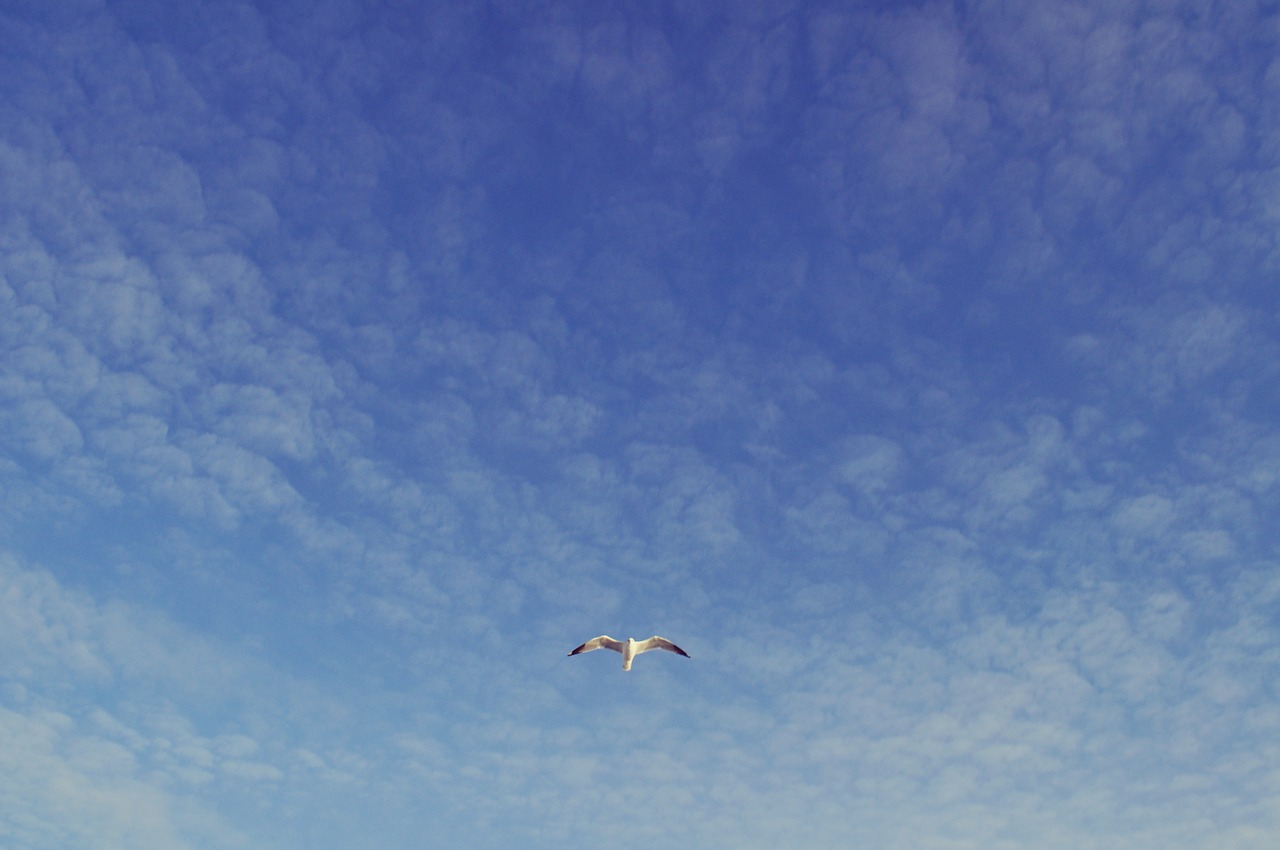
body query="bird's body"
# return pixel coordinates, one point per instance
(630, 647)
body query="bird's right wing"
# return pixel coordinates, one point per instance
(657, 642)
(602, 642)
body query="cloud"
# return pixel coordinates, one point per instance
(84, 779)
(906, 363)
(42, 430)
(259, 417)
(871, 464)
(79, 791)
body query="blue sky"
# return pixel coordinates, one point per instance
(913, 366)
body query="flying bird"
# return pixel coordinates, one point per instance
(630, 647)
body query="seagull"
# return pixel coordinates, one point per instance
(630, 647)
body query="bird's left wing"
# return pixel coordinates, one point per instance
(604, 641)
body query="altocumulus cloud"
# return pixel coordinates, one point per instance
(913, 368)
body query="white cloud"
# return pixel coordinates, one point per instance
(871, 463)
(261, 419)
(42, 431)
(1146, 516)
(906, 365)
(61, 793)
(829, 524)
(691, 504)
(86, 781)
